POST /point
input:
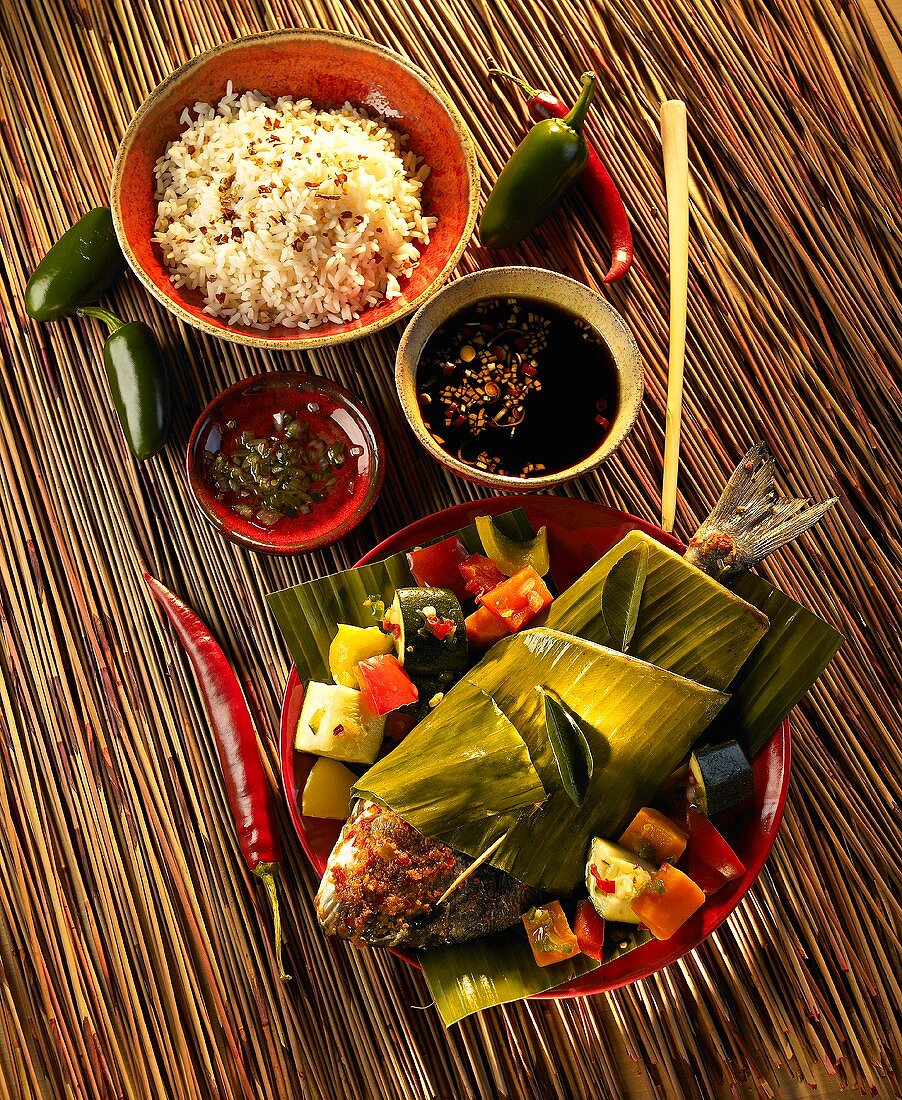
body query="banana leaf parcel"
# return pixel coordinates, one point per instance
(687, 623)
(750, 638)
(640, 722)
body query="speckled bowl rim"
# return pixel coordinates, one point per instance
(316, 384)
(557, 289)
(248, 336)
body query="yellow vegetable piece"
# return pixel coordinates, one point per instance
(512, 555)
(327, 792)
(350, 646)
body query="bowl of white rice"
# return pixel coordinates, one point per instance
(295, 189)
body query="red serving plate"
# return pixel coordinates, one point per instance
(579, 532)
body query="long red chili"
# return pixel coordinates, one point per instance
(236, 742)
(595, 180)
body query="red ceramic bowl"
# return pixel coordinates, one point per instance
(579, 533)
(336, 416)
(329, 68)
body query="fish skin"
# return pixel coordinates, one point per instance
(374, 843)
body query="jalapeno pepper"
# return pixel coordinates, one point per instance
(83, 263)
(139, 381)
(545, 164)
(596, 182)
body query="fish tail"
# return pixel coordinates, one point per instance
(750, 520)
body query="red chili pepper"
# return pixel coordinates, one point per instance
(595, 180)
(236, 741)
(605, 885)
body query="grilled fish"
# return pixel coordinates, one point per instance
(384, 878)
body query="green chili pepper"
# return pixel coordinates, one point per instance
(139, 381)
(544, 165)
(83, 263)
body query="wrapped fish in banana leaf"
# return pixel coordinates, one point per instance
(639, 721)
(687, 622)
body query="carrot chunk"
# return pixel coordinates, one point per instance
(668, 902)
(653, 836)
(483, 629)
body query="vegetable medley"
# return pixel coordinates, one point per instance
(388, 676)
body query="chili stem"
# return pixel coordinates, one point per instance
(99, 313)
(268, 873)
(494, 71)
(577, 115)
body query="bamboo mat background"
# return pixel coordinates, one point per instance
(135, 958)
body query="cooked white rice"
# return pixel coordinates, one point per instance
(282, 214)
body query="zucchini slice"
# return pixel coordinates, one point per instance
(333, 724)
(615, 877)
(722, 777)
(431, 634)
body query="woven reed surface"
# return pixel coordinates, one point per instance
(134, 947)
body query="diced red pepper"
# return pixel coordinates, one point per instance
(480, 575)
(605, 885)
(385, 684)
(712, 862)
(397, 726)
(440, 628)
(483, 629)
(517, 602)
(436, 566)
(588, 927)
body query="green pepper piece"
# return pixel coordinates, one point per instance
(139, 381)
(83, 263)
(543, 167)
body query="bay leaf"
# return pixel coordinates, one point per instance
(570, 747)
(622, 595)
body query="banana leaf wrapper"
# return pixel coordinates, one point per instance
(472, 778)
(749, 637)
(688, 623)
(308, 614)
(639, 721)
(794, 652)
(498, 969)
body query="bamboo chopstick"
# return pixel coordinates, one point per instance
(676, 173)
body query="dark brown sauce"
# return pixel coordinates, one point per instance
(518, 387)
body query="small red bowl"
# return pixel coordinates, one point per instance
(252, 403)
(330, 69)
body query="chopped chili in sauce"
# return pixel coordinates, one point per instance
(518, 387)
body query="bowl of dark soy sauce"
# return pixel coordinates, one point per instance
(519, 378)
